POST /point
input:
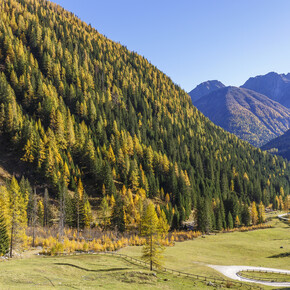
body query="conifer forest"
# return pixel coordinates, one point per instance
(107, 137)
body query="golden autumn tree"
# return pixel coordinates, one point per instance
(261, 213)
(17, 216)
(152, 230)
(254, 213)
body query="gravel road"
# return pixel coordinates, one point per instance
(232, 272)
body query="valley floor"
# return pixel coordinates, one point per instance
(265, 248)
(260, 248)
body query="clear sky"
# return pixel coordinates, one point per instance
(197, 40)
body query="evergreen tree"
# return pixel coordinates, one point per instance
(118, 216)
(204, 215)
(246, 217)
(230, 220)
(105, 212)
(71, 112)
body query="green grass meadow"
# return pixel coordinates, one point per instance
(255, 248)
(86, 272)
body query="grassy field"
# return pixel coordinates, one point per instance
(255, 248)
(86, 272)
(262, 276)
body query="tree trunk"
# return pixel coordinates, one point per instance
(33, 237)
(78, 218)
(151, 262)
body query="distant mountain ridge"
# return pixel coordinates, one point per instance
(279, 145)
(247, 114)
(204, 89)
(273, 85)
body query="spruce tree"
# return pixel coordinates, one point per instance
(118, 216)
(230, 221)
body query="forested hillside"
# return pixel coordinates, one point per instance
(280, 145)
(84, 110)
(249, 115)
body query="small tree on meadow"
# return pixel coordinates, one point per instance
(152, 229)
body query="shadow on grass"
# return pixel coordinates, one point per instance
(282, 255)
(88, 270)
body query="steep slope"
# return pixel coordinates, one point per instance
(204, 89)
(82, 109)
(279, 145)
(249, 115)
(274, 86)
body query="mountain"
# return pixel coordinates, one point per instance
(84, 112)
(204, 89)
(274, 86)
(279, 145)
(249, 115)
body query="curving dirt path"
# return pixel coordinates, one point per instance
(232, 272)
(282, 217)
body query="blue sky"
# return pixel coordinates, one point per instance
(197, 40)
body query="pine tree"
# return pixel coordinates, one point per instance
(4, 239)
(151, 230)
(246, 216)
(118, 215)
(204, 212)
(230, 221)
(105, 212)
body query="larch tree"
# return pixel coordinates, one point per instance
(151, 230)
(4, 238)
(34, 217)
(79, 194)
(18, 216)
(254, 213)
(261, 213)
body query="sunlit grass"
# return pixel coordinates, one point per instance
(266, 248)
